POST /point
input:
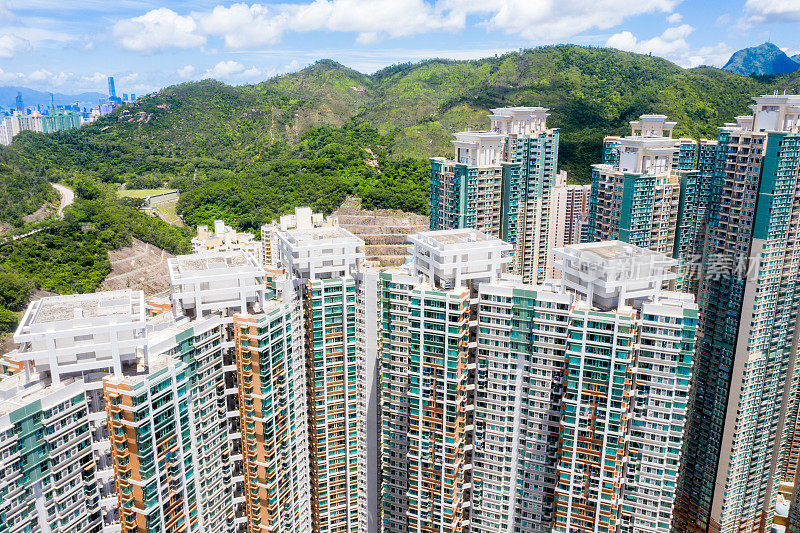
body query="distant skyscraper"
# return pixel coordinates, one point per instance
(52, 101)
(19, 104)
(112, 93)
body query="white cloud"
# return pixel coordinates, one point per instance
(11, 45)
(555, 20)
(224, 69)
(40, 75)
(241, 25)
(244, 26)
(716, 55)
(675, 18)
(97, 79)
(672, 45)
(763, 11)
(232, 72)
(187, 71)
(158, 29)
(723, 20)
(376, 19)
(252, 73)
(667, 44)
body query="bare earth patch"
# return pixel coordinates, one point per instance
(385, 231)
(44, 212)
(140, 266)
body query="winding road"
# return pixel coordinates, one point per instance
(67, 197)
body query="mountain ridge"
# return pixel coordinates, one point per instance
(414, 107)
(764, 59)
(591, 92)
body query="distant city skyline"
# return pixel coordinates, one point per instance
(147, 45)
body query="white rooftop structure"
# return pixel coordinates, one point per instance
(610, 274)
(478, 148)
(652, 126)
(302, 218)
(81, 334)
(305, 218)
(320, 253)
(208, 282)
(19, 391)
(451, 258)
(519, 120)
(650, 149)
(773, 113)
(225, 239)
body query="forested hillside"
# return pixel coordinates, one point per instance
(248, 154)
(415, 108)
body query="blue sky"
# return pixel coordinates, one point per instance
(70, 46)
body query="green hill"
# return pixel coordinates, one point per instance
(248, 154)
(196, 132)
(762, 60)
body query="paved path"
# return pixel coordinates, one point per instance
(67, 197)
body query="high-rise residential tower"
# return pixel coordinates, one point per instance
(50, 480)
(569, 216)
(629, 351)
(646, 191)
(169, 436)
(500, 183)
(325, 267)
(744, 415)
(274, 421)
(302, 218)
(533, 408)
(80, 339)
(428, 385)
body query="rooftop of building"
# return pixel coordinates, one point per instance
(653, 117)
(313, 236)
(518, 110)
(613, 250)
(212, 262)
(52, 309)
(775, 98)
(155, 363)
(16, 392)
(455, 236)
(468, 136)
